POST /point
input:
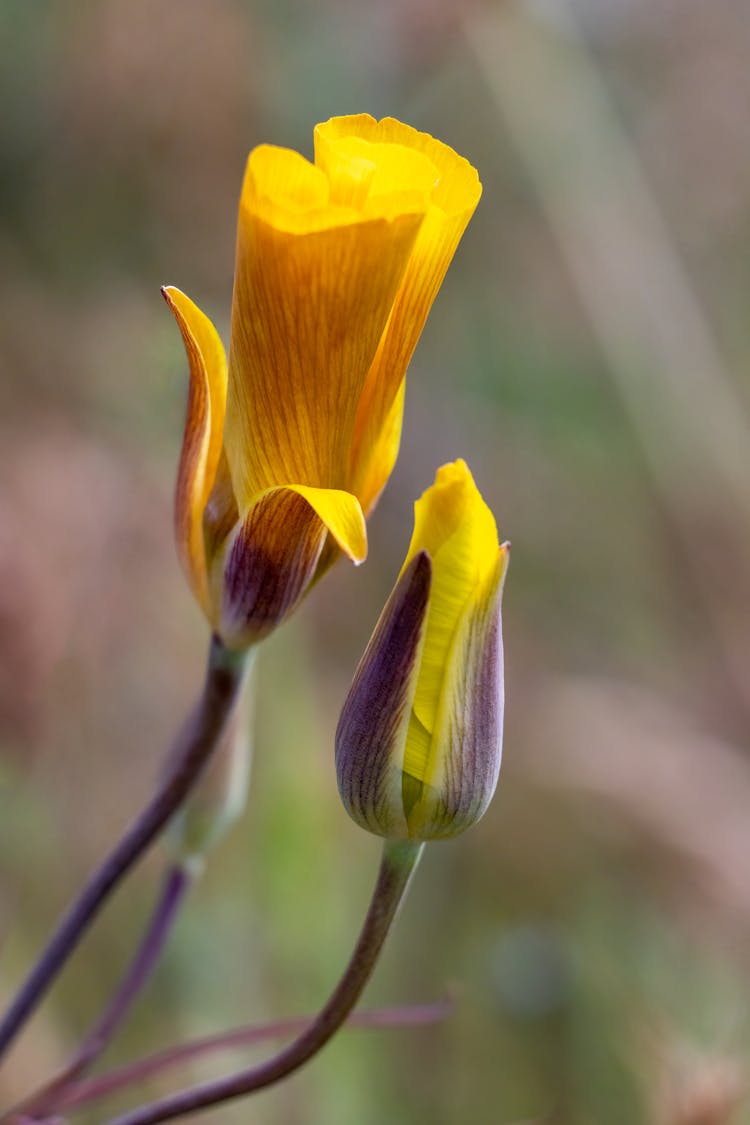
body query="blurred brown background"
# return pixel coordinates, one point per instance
(588, 356)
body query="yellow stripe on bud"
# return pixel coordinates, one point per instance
(418, 746)
(455, 527)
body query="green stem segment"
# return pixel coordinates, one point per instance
(188, 758)
(399, 861)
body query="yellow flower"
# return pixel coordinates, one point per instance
(418, 744)
(288, 446)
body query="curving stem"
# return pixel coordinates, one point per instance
(190, 754)
(175, 883)
(400, 858)
(93, 1089)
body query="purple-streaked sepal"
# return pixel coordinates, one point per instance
(372, 728)
(268, 566)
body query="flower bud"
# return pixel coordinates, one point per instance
(419, 740)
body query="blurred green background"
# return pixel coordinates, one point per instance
(588, 356)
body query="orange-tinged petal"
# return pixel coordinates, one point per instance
(453, 199)
(364, 174)
(202, 442)
(383, 455)
(457, 186)
(310, 305)
(289, 192)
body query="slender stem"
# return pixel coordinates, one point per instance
(397, 866)
(189, 756)
(49, 1097)
(176, 882)
(414, 1015)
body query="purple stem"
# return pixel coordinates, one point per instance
(415, 1015)
(176, 883)
(400, 858)
(190, 755)
(51, 1095)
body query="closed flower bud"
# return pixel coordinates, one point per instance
(289, 443)
(419, 740)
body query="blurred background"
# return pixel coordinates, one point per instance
(588, 356)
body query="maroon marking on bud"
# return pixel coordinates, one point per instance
(377, 700)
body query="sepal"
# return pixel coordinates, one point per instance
(372, 729)
(202, 441)
(271, 559)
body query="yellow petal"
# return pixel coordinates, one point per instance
(372, 176)
(457, 187)
(457, 529)
(465, 748)
(453, 199)
(289, 192)
(314, 287)
(342, 515)
(202, 442)
(383, 455)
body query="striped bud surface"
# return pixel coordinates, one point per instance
(419, 740)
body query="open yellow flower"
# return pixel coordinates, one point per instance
(419, 740)
(288, 446)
